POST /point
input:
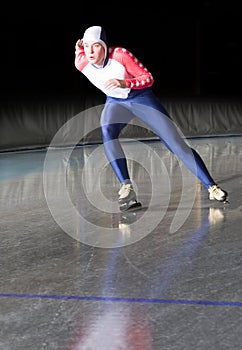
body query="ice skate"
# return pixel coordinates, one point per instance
(215, 192)
(127, 198)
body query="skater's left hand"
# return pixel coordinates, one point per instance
(79, 44)
(114, 83)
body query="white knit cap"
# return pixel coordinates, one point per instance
(95, 34)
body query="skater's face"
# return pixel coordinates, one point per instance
(95, 52)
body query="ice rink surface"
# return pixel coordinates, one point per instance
(76, 273)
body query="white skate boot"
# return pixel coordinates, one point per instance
(127, 198)
(215, 192)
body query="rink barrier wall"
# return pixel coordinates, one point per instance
(32, 122)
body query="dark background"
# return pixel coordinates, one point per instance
(191, 48)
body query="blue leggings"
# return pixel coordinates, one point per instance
(144, 105)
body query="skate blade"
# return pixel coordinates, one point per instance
(131, 207)
(226, 201)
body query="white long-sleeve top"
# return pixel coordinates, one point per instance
(121, 64)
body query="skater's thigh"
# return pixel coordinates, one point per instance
(159, 122)
(115, 113)
(163, 126)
